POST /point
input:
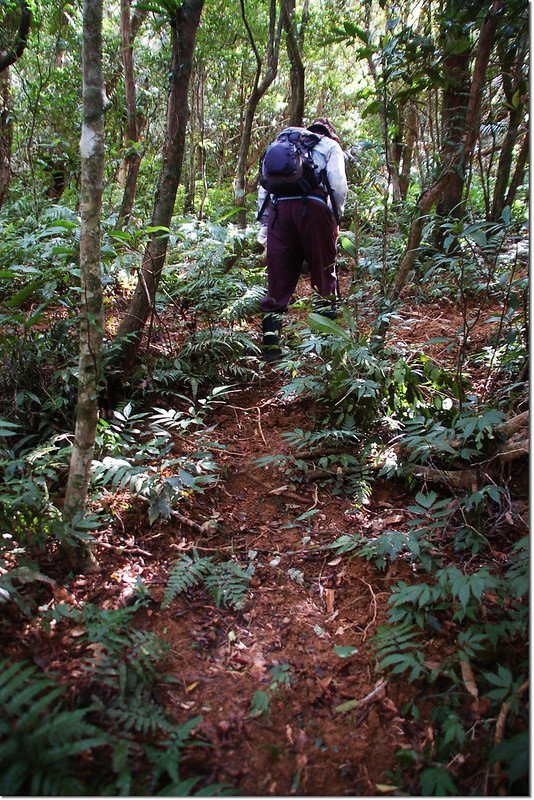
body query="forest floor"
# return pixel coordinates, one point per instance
(332, 724)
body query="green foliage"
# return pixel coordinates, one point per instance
(226, 581)
(41, 738)
(400, 648)
(49, 747)
(146, 466)
(280, 678)
(436, 782)
(514, 754)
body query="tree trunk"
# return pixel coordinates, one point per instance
(412, 127)
(295, 45)
(453, 119)
(6, 135)
(184, 28)
(259, 88)
(91, 313)
(381, 89)
(190, 168)
(9, 55)
(512, 77)
(435, 192)
(517, 177)
(133, 159)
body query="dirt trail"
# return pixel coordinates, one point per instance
(303, 601)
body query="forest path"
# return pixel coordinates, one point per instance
(303, 602)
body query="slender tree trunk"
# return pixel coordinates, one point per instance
(512, 78)
(202, 151)
(258, 90)
(133, 159)
(8, 56)
(412, 127)
(6, 134)
(91, 315)
(504, 166)
(380, 83)
(433, 194)
(295, 46)
(190, 168)
(517, 177)
(184, 28)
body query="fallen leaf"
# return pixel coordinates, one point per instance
(469, 679)
(334, 562)
(289, 734)
(191, 687)
(349, 705)
(329, 595)
(392, 519)
(344, 652)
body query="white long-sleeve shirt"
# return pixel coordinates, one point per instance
(328, 155)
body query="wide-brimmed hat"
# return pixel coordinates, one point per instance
(323, 126)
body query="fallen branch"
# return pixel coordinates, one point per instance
(205, 527)
(511, 426)
(511, 451)
(123, 549)
(460, 479)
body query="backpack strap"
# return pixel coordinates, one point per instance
(264, 205)
(326, 182)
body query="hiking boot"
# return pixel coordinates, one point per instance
(271, 327)
(325, 307)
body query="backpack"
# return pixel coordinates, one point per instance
(287, 168)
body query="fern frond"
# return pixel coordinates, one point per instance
(186, 573)
(39, 738)
(227, 583)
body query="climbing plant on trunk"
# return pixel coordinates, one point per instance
(91, 314)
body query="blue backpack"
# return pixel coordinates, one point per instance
(287, 166)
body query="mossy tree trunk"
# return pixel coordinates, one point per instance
(91, 313)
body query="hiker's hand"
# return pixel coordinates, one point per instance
(262, 235)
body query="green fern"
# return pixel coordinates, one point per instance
(399, 647)
(39, 738)
(186, 573)
(226, 581)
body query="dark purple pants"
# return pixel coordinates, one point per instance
(299, 230)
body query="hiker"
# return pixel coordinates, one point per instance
(300, 201)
